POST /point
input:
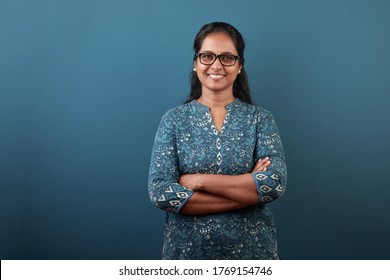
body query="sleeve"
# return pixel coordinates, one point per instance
(270, 184)
(164, 190)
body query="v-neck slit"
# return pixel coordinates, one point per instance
(211, 120)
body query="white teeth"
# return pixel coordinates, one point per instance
(215, 76)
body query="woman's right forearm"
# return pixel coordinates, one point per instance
(202, 203)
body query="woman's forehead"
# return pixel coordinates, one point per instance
(219, 43)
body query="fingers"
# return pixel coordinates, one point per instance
(189, 181)
(262, 165)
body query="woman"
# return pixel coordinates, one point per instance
(218, 160)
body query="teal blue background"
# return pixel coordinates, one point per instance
(83, 85)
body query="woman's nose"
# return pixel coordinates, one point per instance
(217, 64)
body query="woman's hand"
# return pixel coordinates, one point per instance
(262, 165)
(191, 181)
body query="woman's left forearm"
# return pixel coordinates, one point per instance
(240, 188)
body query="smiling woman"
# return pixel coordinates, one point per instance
(240, 86)
(218, 160)
(217, 78)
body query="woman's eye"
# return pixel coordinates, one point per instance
(227, 58)
(208, 56)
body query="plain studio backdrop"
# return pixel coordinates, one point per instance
(83, 85)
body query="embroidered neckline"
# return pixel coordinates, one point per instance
(204, 107)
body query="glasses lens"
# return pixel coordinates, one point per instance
(207, 58)
(228, 60)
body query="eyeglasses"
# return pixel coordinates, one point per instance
(210, 58)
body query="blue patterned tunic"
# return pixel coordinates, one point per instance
(187, 142)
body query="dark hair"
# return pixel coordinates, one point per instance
(240, 86)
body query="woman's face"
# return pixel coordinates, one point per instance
(217, 78)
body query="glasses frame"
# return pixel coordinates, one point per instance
(217, 56)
